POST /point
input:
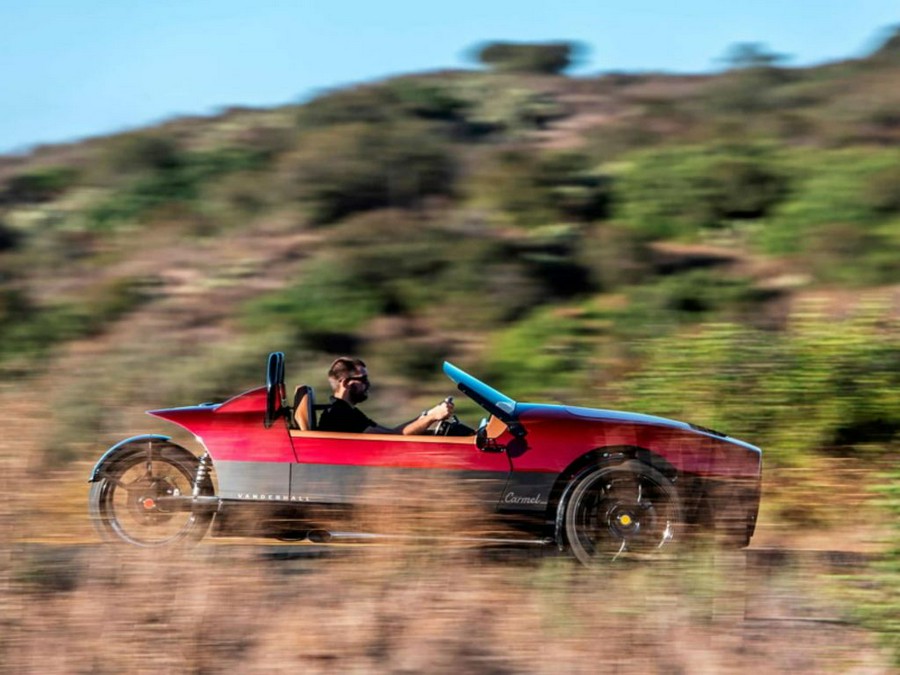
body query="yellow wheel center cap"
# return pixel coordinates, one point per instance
(625, 520)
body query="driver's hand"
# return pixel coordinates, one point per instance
(441, 411)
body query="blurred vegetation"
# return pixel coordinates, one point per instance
(877, 598)
(345, 169)
(680, 191)
(721, 249)
(648, 226)
(151, 172)
(820, 386)
(28, 330)
(523, 188)
(879, 601)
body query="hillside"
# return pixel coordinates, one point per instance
(723, 249)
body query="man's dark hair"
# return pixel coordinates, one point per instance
(342, 367)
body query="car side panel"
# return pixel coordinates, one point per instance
(358, 468)
(256, 481)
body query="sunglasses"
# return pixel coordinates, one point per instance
(359, 378)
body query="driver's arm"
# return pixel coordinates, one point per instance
(420, 424)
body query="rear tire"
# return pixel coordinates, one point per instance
(123, 501)
(622, 511)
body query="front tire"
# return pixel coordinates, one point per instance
(621, 511)
(124, 503)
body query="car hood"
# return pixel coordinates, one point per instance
(619, 416)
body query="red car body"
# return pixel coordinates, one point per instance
(631, 474)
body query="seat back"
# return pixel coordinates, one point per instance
(304, 416)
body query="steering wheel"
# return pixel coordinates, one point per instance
(444, 426)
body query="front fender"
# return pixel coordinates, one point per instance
(109, 455)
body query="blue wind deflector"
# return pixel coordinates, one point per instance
(495, 402)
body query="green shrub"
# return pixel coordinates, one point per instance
(431, 100)
(542, 357)
(37, 186)
(148, 192)
(415, 265)
(694, 295)
(823, 385)
(343, 170)
(373, 104)
(881, 190)
(504, 108)
(397, 257)
(395, 101)
(745, 188)
(551, 256)
(675, 192)
(507, 185)
(839, 186)
(325, 301)
(167, 177)
(453, 105)
(141, 152)
(531, 190)
(848, 189)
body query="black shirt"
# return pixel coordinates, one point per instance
(341, 416)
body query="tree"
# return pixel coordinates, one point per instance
(752, 55)
(550, 58)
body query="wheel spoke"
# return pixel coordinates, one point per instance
(131, 486)
(117, 482)
(623, 547)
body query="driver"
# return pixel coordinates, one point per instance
(349, 382)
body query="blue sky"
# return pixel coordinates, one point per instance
(76, 68)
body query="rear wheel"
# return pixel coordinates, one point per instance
(136, 498)
(621, 511)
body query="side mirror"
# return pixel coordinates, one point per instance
(481, 438)
(484, 443)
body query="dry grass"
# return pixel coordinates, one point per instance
(413, 605)
(224, 609)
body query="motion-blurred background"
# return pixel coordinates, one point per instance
(721, 248)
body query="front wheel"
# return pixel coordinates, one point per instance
(142, 497)
(627, 510)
